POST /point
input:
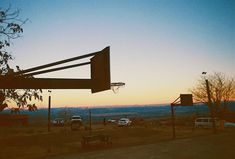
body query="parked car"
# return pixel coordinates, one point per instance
(58, 122)
(76, 122)
(229, 124)
(206, 122)
(124, 122)
(112, 121)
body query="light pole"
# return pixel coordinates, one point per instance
(173, 120)
(49, 112)
(210, 103)
(90, 120)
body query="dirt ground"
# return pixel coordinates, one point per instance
(149, 139)
(217, 146)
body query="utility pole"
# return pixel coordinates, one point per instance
(90, 121)
(49, 112)
(173, 120)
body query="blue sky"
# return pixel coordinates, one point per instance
(158, 48)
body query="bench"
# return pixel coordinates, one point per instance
(103, 139)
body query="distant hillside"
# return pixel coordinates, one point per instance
(40, 116)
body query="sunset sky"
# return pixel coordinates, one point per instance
(159, 48)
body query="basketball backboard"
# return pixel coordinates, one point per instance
(186, 99)
(100, 71)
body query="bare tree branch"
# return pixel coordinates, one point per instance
(222, 91)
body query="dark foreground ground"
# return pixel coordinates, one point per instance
(146, 139)
(219, 146)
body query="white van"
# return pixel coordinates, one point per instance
(76, 122)
(206, 122)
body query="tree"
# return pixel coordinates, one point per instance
(222, 91)
(10, 29)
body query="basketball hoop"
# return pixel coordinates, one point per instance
(115, 86)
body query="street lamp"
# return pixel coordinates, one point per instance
(210, 102)
(49, 112)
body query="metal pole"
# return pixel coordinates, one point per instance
(210, 105)
(49, 113)
(90, 120)
(55, 63)
(173, 120)
(56, 69)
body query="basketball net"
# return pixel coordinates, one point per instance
(115, 86)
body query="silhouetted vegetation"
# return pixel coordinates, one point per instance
(11, 28)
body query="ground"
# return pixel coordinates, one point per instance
(147, 139)
(204, 147)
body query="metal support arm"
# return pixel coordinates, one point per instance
(44, 83)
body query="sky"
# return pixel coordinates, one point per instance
(159, 48)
